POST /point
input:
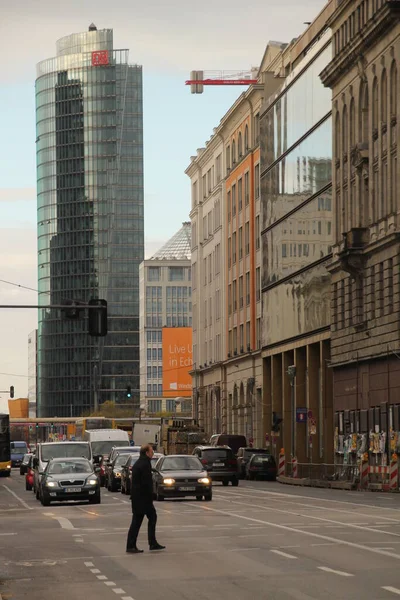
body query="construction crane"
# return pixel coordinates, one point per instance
(198, 79)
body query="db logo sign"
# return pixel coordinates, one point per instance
(99, 58)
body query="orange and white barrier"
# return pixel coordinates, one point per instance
(281, 464)
(379, 470)
(394, 474)
(294, 467)
(364, 474)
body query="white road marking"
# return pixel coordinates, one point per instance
(8, 534)
(119, 591)
(102, 577)
(341, 573)
(17, 497)
(48, 514)
(95, 571)
(385, 548)
(283, 554)
(65, 523)
(88, 564)
(331, 544)
(394, 590)
(126, 598)
(79, 540)
(110, 583)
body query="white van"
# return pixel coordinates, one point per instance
(103, 440)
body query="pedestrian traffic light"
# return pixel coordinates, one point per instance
(11, 391)
(97, 317)
(276, 422)
(128, 391)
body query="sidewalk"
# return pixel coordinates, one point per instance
(320, 483)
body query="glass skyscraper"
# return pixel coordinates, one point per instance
(89, 120)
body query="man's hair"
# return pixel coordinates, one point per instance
(144, 449)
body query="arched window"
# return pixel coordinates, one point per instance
(384, 98)
(233, 152)
(375, 104)
(240, 147)
(364, 108)
(393, 89)
(337, 136)
(345, 132)
(246, 138)
(352, 123)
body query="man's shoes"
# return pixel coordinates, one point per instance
(157, 546)
(134, 551)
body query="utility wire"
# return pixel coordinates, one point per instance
(24, 287)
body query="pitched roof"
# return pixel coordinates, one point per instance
(178, 247)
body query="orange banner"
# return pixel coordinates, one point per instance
(177, 361)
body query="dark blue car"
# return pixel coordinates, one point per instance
(18, 450)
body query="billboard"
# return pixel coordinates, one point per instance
(177, 361)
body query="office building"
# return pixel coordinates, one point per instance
(89, 146)
(32, 372)
(165, 301)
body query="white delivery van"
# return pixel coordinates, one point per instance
(146, 434)
(103, 440)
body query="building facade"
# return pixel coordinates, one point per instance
(297, 239)
(363, 77)
(226, 268)
(165, 301)
(90, 220)
(32, 372)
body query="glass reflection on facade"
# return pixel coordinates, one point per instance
(296, 197)
(90, 220)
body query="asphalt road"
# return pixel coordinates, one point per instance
(260, 540)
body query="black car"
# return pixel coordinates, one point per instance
(25, 464)
(261, 466)
(69, 479)
(178, 476)
(243, 457)
(113, 472)
(126, 472)
(220, 463)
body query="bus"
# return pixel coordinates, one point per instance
(5, 448)
(87, 423)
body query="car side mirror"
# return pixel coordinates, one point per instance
(97, 470)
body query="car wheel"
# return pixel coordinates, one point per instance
(208, 497)
(199, 498)
(45, 501)
(102, 481)
(113, 486)
(37, 494)
(225, 482)
(95, 499)
(109, 485)
(8, 473)
(235, 481)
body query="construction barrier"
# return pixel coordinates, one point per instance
(281, 464)
(364, 479)
(294, 467)
(394, 474)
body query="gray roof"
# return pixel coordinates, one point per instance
(178, 247)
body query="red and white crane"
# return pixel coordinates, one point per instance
(198, 79)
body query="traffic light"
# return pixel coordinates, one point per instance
(37, 426)
(128, 391)
(11, 391)
(73, 309)
(276, 422)
(98, 317)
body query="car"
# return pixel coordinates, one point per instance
(225, 439)
(122, 450)
(29, 476)
(220, 463)
(69, 479)
(126, 471)
(18, 451)
(156, 457)
(179, 476)
(261, 465)
(113, 472)
(243, 457)
(24, 465)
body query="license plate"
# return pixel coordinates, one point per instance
(72, 490)
(187, 489)
(219, 465)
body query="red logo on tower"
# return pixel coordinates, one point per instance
(99, 58)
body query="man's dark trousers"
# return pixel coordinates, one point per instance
(137, 520)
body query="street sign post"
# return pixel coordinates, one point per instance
(301, 415)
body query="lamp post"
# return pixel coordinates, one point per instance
(292, 378)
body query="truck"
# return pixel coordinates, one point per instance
(145, 433)
(180, 437)
(103, 440)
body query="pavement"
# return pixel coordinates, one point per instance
(259, 540)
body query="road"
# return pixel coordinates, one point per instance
(260, 540)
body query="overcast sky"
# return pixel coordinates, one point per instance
(169, 39)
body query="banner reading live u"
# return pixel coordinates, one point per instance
(177, 361)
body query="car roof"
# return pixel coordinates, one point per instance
(214, 447)
(61, 459)
(178, 456)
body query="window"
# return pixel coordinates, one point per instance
(154, 354)
(258, 284)
(384, 97)
(248, 287)
(210, 223)
(375, 104)
(241, 291)
(205, 270)
(228, 159)
(229, 299)
(159, 353)
(205, 314)
(194, 194)
(154, 274)
(154, 374)
(257, 128)
(218, 167)
(234, 335)
(257, 232)
(230, 346)
(217, 305)
(390, 285)
(246, 138)
(248, 335)
(241, 337)
(246, 189)
(284, 251)
(209, 182)
(240, 145)
(258, 332)
(176, 274)
(229, 205)
(240, 195)
(159, 373)
(148, 372)
(233, 200)
(229, 253)
(149, 389)
(247, 238)
(257, 181)
(217, 215)
(234, 294)
(217, 262)
(194, 282)
(240, 243)
(234, 247)
(148, 353)
(209, 268)
(205, 231)
(233, 152)
(155, 406)
(204, 182)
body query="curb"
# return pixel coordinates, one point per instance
(320, 483)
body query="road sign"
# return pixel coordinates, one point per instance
(301, 415)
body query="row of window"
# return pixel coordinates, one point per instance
(212, 217)
(233, 154)
(174, 274)
(356, 22)
(238, 344)
(235, 243)
(155, 406)
(236, 300)
(212, 265)
(212, 177)
(154, 372)
(208, 309)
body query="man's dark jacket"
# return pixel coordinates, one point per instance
(142, 485)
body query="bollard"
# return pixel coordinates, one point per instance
(394, 474)
(281, 464)
(364, 474)
(294, 467)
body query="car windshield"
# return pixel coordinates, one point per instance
(70, 466)
(263, 459)
(217, 454)
(133, 459)
(105, 446)
(181, 463)
(120, 460)
(26, 459)
(251, 451)
(65, 450)
(19, 448)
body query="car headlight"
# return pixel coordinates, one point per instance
(168, 481)
(92, 481)
(117, 474)
(204, 480)
(51, 484)
(8, 466)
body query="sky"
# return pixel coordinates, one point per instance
(169, 39)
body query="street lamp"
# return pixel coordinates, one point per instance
(292, 378)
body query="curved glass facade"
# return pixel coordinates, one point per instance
(90, 220)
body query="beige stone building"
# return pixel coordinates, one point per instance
(365, 294)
